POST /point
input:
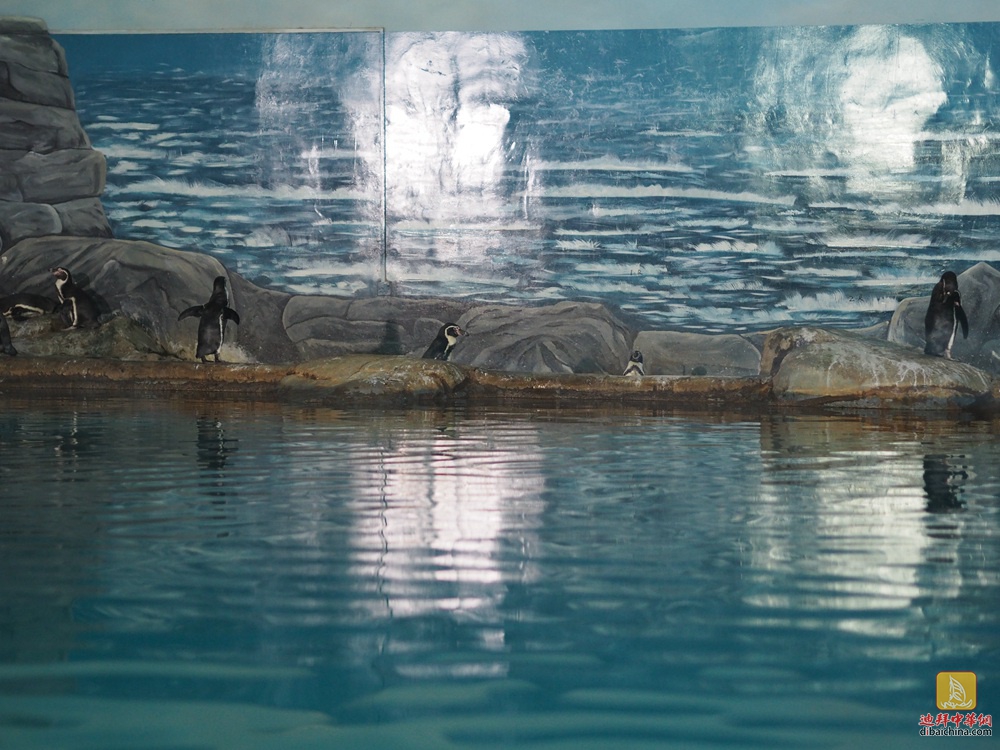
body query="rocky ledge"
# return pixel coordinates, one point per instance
(800, 368)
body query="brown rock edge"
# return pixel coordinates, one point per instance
(364, 380)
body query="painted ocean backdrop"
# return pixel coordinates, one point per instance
(705, 180)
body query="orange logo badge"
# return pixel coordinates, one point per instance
(956, 691)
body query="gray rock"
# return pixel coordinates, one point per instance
(261, 333)
(151, 285)
(31, 47)
(21, 220)
(46, 159)
(119, 339)
(23, 84)
(30, 127)
(980, 289)
(60, 176)
(565, 337)
(332, 326)
(679, 353)
(22, 25)
(836, 367)
(83, 218)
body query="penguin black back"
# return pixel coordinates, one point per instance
(444, 342)
(24, 305)
(76, 307)
(944, 315)
(212, 317)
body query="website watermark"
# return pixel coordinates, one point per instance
(956, 700)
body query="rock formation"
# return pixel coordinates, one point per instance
(980, 290)
(50, 215)
(50, 177)
(827, 367)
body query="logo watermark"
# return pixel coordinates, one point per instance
(956, 701)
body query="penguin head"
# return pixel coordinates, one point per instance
(62, 275)
(220, 295)
(451, 332)
(949, 281)
(636, 357)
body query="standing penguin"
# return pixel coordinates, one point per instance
(212, 317)
(944, 315)
(444, 342)
(5, 345)
(76, 307)
(634, 367)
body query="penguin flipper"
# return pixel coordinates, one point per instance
(195, 311)
(962, 320)
(230, 314)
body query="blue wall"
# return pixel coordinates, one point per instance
(714, 179)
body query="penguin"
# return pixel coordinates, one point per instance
(212, 317)
(634, 367)
(24, 305)
(445, 341)
(76, 307)
(944, 315)
(5, 345)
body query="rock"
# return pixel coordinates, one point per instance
(779, 342)
(679, 353)
(333, 326)
(31, 127)
(26, 42)
(151, 285)
(565, 337)
(21, 220)
(60, 176)
(22, 25)
(374, 378)
(594, 391)
(980, 290)
(47, 165)
(83, 218)
(22, 84)
(261, 333)
(836, 367)
(117, 339)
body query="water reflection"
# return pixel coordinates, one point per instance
(213, 451)
(414, 565)
(449, 502)
(943, 483)
(841, 513)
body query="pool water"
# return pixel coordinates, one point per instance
(222, 575)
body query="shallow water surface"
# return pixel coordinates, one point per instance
(220, 575)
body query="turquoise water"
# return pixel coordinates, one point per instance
(179, 575)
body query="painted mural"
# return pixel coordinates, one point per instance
(705, 180)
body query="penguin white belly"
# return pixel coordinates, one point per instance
(951, 339)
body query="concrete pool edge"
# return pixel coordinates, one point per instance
(376, 380)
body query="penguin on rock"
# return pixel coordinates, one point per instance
(634, 367)
(444, 342)
(23, 305)
(76, 307)
(944, 315)
(212, 317)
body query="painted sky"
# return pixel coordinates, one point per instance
(710, 179)
(475, 15)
